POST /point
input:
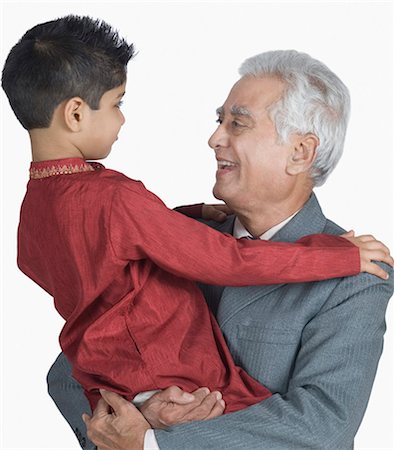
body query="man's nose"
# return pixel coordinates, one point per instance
(219, 138)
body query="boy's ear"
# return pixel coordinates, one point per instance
(303, 153)
(75, 110)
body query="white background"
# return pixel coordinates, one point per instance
(188, 58)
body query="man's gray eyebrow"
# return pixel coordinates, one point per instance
(240, 111)
(235, 111)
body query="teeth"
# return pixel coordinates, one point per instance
(223, 164)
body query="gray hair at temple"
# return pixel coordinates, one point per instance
(315, 101)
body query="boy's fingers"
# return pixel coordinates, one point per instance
(374, 269)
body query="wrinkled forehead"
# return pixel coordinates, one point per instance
(251, 94)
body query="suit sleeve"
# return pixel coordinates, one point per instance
(141, 227)
(328, 391)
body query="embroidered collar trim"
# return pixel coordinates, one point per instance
(45, 169)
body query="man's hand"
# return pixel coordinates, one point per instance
(173, 406)
(371, 250)
(217, 212)
(116, 424)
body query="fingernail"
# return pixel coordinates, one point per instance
(218, 396)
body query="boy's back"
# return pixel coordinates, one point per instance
(84, 236)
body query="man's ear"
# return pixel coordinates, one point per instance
(75, 110)
(303, 153)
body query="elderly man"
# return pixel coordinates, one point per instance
(316, 346)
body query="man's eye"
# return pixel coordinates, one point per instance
(236, 124)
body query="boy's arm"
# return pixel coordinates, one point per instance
(141, 227)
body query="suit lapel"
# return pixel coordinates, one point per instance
(310, 220)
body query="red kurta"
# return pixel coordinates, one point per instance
(120, 266)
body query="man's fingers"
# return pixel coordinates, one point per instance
(175, 395)
(116, 402)
(102, 408)
(201, 393)
(174, 413)
(217, 410)
(202, 411)
(86, 418)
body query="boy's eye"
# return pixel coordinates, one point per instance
(119, 104)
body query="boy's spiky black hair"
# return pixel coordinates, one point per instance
(57, 60)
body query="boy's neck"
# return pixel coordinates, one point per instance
(47, 144)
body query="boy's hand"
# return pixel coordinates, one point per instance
(371, 250)
(116, 424)
(173, 406)
(217, 212)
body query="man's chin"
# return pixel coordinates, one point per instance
(220, 194)
(216, 193)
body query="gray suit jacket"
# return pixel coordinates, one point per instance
(316, 346)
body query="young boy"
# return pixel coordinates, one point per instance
(118, 263)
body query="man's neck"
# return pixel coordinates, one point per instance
(258, 221)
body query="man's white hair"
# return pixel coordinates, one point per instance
(315, 101)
